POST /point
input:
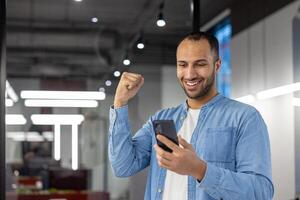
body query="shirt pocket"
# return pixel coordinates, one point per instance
(219, 144)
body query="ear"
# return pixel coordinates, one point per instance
(218, 65)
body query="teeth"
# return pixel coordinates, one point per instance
(191, 83)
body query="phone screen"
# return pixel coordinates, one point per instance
(167, 129)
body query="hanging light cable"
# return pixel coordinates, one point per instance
(160, 20)
(126, 60)
(140, 42)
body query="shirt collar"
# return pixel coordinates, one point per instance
(208, 104)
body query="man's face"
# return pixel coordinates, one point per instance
(196, 67)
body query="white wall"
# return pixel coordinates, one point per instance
(171, 93)
(262, 59)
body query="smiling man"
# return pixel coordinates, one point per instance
(223, 151)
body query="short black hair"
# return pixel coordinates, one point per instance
(199, 35)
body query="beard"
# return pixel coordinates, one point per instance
(205, 87)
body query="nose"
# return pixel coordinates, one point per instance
(190, 72)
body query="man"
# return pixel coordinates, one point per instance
(224, 150)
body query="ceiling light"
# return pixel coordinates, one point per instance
(76, 95)
(95, 19)
(9, 102)
(25, 136)
(108, 83)
(140, 42)
(78, 0)
(160, 21)
(15, 119)
(117, 73)
(51, 119)
(48, 135)
(16, 136)
(126, 61)
(285, 89)
(102, 89)
(140, 45)
(61, 103)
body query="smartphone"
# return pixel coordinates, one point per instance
(167, 129)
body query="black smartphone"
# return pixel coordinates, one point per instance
(167, 129)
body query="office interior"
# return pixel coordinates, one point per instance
(62, 62)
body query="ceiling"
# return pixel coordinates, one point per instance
(56, 38)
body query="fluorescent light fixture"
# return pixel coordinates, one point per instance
(74, 147)
(57, 142)
(78, 0)
(117, 73)
(215, 20)
(95, 19)
(34, 137)
(108, 83)
(49, 119)
(11, 93)
(15, 119)
(74, 95)
(246, 99)
(16, 136)
(285, 89)
(126, 61)
(9, 102)
(48, 135)
(61, 103)
(25, 136)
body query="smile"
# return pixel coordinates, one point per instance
(192, 83)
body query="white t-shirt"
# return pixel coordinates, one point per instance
(176, 186)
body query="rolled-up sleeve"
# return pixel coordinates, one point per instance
(128, 155)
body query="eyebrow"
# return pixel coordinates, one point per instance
(199, 60)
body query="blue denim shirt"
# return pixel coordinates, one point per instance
(231, 137)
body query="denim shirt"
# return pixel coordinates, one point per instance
(231, 137)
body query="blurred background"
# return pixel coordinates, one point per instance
(64, 59)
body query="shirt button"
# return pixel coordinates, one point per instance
(159, 190)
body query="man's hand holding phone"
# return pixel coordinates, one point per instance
(128, 86)
(183, 159)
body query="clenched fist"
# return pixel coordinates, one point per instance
(129, 85)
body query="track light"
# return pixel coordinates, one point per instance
(160, 21)
(140, 42)
(140, 45)
(94, 19)
(108, 83)
(102, 89)
(126, 60)
(117, 73)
